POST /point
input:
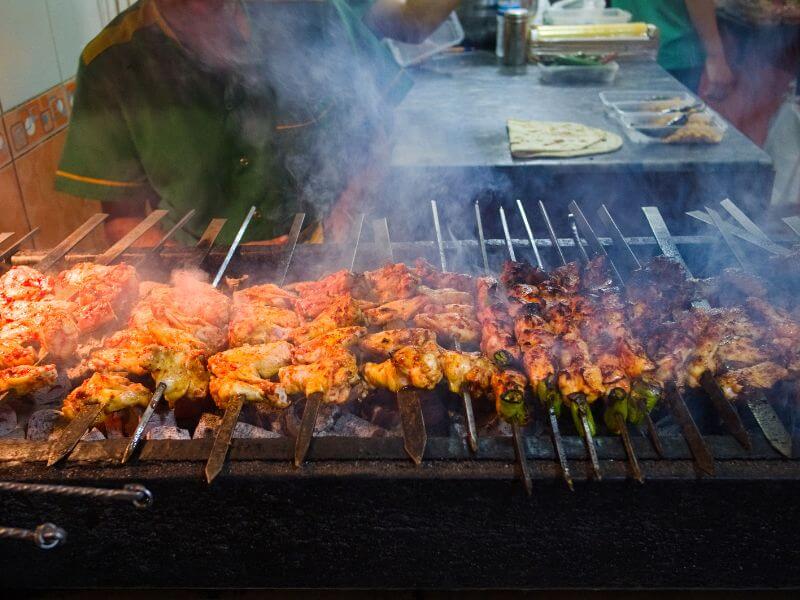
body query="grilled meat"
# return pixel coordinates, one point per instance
(445, 295)
(395, 281)
(466, 311)
(316, 296)
(435, 278)
(253, 322)
(337, 339)
(26, 379)
(468, 372)
(342, 312)
(397, 310)
(385, 343)
(451, 326)
(410, 366)
(24, 283)
(335, 377)
(761, 376)
(115, 392)
(246, 371)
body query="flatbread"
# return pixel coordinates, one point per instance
(534, 139)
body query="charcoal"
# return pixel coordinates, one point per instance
(93, 435)
(325, 418)
(350, 425)
(206, 426)
(167, 433)
(161, 419)
(8, 420)
(114, 429)
(384, 417)
(498, 428)
(247, 431)
(42, 424)
(267, 417)
(433, 411)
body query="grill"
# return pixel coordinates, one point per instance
(465, 502)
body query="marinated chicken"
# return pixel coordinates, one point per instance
(25, 379)
(385, 343)
(394, 281)
(342, 312)
(435, 278)
(468, 372)
(247, 371)
(396, 311)
(115, 392)
(451, 326)
(337, 339)
(410, 366)
(335, 377)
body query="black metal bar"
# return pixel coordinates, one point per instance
(294, 235)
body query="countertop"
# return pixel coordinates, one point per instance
(455, 116)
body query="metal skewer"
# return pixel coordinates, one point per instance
(158, 394)
(469, 413)
(73, 432)
(224, 434)
(598, 250)
(697, 445)
(555, 430)
(725, 410)
(519, 447)
(5, 235)
(765, 416)
(8, 252)
(151, 252)
(583, 407)
(314, 401)
(793, 223)
(742, 234)
(125, 242)
(409, 402)
(68, 243)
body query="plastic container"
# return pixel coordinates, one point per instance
(623, 102)
(578, 75)
(448, 34)
(583, 12)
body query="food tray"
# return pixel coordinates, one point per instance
(647, 128)
(577, 75)
(624, 102)
(448, 34)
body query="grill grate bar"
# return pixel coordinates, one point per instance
(72, 240)
(114, 252)
(12, 249)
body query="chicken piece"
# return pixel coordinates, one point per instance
(103, 294)
(26, 379)
(577, 373)
(410, 366)
(394, 281)
(24, 283)
(445, 296)
(435, 278)
(398, 310)
(115, 392)
(316, 296)
(468, 372)
(152, 318)
(761, 376)
(335, 377)
(183, 372)
(188, 300)
(338, 339)
(508, 391)
(497, 335)
(465, 310)
(344, 312)
(14, 354)
(259, 323)
(537, 345)
(385, 343)
(48, 323)
(514, 273)
(268, 294)
(247, 371)
(451, 326)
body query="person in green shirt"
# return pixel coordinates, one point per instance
(690, 42)
(219, 105)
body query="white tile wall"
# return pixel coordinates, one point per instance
(74, 24)
(28, 64)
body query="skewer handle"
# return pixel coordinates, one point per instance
(46, 536)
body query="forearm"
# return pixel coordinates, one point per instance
(408, 20)
(704, 18)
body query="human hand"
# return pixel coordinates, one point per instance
(719, 80)
(117, 227)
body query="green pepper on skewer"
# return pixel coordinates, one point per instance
(503, 358)
(509, 395)
(617, 405)
(576, 401)
(548, 394)
(643, 399)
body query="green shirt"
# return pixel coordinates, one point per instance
(282, 131)
(681, 47)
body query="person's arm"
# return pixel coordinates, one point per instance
(719, 77)
(408, 20)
